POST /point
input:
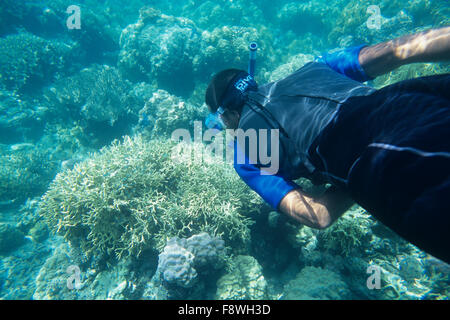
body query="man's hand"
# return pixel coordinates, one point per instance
(428, 46)
(318, 214)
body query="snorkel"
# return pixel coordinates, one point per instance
(252, 61)
(213, 120)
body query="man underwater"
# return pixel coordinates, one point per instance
(387, 150)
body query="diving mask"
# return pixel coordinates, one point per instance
(213, 120)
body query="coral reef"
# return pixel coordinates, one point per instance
(311, 16)
(345, 236)
(135, 69)
(103, 103)
(244, 281)
(39, 232)
(97, 94)
(209, 14)
(10, 238)
(19, 268)
(175, 52)
(350, 235)
(411, 71)
(354, 243)
(396, 18)
(160, 47)
(316, 283)
(295, 63)
(407, 272)
(28, 61)
(228, 46)
(96, 37)
(21, 120)
(186, 262)
(133, 195)
(25, 171)
(163, 113)
(176, 265)
(208, 251)
(62, 277)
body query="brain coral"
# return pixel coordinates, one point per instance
(176, 265)
(182, 259)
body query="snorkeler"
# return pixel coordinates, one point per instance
(387, 150)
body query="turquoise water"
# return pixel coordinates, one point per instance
(94, 206)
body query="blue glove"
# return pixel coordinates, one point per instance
(346, 62)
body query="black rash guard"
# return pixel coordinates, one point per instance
(299, 106)
(389, 149)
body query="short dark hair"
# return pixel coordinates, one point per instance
(218, 86)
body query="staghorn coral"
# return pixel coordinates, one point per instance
(346, 236)
(133, 196)
(403, 278)
(349, 235)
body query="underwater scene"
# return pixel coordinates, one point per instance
(98, 201)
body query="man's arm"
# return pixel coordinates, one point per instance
(315, 213)
(428, 46)
(284, 196)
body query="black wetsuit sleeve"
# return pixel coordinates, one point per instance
(272, 188)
